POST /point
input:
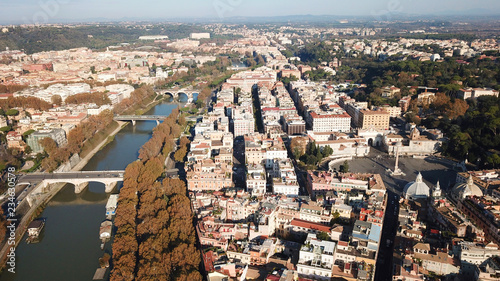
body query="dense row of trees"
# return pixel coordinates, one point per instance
(155, 239)
(162, 141)
(98, 98)
(180, 154)
(25, 102)
(138, 98)
(12, 88)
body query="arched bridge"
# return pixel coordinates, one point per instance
(135, 118)
(79, 179)
(175, 94)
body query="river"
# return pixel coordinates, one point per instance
(70, 247)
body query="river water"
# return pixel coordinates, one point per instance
(70, 246)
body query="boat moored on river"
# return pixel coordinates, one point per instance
(34, 229)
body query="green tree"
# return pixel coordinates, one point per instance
(27, 133)
(344, 168)
(12, 112)
(199, 103)
(327, 151)
(323, 236)
(494, 160)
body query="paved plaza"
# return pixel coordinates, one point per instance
(432, 170)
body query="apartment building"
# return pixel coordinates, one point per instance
(377, 119)
(327, 122)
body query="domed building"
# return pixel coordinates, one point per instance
(464, 189)
(416, 189)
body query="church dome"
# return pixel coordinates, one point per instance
(416, 189)
(464, 189)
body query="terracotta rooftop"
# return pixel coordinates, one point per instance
(310, 225)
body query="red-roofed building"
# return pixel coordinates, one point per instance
(15, 141)
(330, 122)
(375, 216)
(271, 277)
(38, 67)
(6, 96)
(208, 260)
(303, 227)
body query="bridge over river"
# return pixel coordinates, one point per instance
(79, 179)
(135, 118)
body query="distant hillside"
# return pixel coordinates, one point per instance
(38, 39)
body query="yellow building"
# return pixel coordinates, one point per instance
(377, 119)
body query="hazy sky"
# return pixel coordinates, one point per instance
(41, 11)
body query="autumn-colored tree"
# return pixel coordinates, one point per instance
(49, 145)
(151, 171)
(182, 121)
(98, 98)
(137, 98)
(175, 130)
(154, 218)
(180, 154)
(204, 94)
(441, 102)
(458, 108)
(25, 102)
(3, 227)
(56, 99)
(184, 142)
(76, 137)
(150, 149)
(125, 245)
(12, 88)
(298, 146)
(49, 164)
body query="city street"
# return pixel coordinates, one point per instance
(239, 175)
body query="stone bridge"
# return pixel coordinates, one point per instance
(135, 118)
(79, 179)
(176, 94)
